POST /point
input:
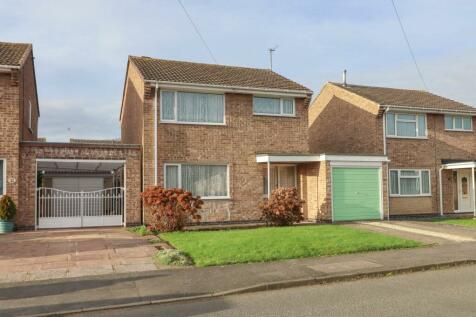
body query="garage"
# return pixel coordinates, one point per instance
(356, 193)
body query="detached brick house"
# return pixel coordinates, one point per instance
(202, 126)
(429, 141)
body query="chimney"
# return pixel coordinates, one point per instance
(344, 77)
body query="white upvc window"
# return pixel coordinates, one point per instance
(209, 181)
(410, 182)
(274, 106)
(281, 176)
(192, 108)
(3, 177)
(458, 123)
(406, 125)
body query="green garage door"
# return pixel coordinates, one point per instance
(355, 193)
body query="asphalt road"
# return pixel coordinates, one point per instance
(449, 292)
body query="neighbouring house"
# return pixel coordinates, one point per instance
(429, 141)
(55, 185)
(204, 127)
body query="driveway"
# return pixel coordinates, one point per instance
(420, 230)
(40, 255)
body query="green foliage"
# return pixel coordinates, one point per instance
(172, 257)
(283, 208)
(8, 209)
(277, 243)
(143, 230)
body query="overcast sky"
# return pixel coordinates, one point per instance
(81, 47)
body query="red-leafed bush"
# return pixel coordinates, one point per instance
(283, 208)
(171, 208)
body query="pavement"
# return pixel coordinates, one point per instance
(52, 254)
(171, 285)
(433, 293)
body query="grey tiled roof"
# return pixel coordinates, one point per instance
(12, 54)
(211, 74)
(406, 98)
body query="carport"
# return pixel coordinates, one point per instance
(77, 185)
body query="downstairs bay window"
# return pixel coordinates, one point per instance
(410, 182)
(206, 181)
(281, 176)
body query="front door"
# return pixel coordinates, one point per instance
(465, 197)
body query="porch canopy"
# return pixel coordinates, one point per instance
(456, 165)
(295, 158)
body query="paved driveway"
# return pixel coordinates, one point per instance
(27, 256)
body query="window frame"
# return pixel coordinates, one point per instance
(176, 121)
(281, 103)
(421, 194)
(4, 170)
(179, 175)
(278, 176)
(416, 121)
(453, 116)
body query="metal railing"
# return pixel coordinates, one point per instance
(59, 208)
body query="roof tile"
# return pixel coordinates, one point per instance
(406, 98)
(12, 54)
(210, 74)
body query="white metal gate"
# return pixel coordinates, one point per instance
(62, 209)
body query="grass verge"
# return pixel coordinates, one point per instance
(466, 222)
(278, 243)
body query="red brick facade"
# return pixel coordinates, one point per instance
(235, 144)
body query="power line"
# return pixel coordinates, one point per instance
(409, 46)
(198, 32)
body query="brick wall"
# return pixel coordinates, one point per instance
(30, 151)
(28, 94)
(344, 123)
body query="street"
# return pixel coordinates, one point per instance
(449, 292)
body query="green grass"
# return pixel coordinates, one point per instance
(141, 230)
(277, 243)
(467, 222)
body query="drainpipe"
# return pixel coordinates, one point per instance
(440, 184)
(269, 179)
(474, 198)
(155, 134)
(384, 126)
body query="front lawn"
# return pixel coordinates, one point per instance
(277, 243)
(467, 222)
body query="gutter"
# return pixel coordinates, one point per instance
(237, 89)
(428, 110)
(10, 66)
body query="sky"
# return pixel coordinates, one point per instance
(81, 47)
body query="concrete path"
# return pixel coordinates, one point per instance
(79, 294)
(434, 293)
(423, 231)
(51, 254)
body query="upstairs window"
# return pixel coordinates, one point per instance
(192, 108)
(409, 182)
(405, 125)
(458, 123)
(273, 106)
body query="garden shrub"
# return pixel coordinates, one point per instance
(143, 230)
(171, 208)
(283, 208)
(8, 209)
(172, 257)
